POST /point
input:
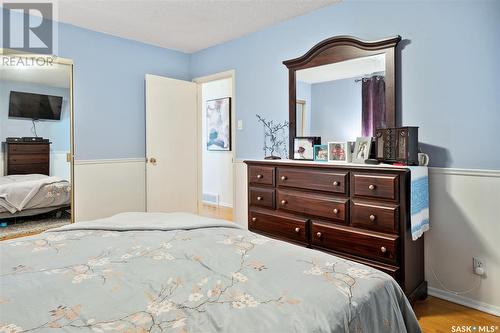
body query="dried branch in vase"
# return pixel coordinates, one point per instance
(275, 138)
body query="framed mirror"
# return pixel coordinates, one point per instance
(36, 132)
(342, 88)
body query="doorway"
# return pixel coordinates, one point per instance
(216, 128)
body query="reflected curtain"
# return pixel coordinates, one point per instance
(373, 105)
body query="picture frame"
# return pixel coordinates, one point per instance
(337, 151)
(303, 147)
(321, 153)
(362, 149)
(218, 124)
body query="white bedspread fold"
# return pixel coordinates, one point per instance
(16, 191)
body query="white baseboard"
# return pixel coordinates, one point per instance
(465, 301)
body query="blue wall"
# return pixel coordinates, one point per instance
(336, 111)
(57, 131)
(449, 76)
(450, 71)
(109, 89)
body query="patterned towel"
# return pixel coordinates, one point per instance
(419, 201)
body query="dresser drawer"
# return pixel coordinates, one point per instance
(366, 244)
(379, 217)
(314, 204)
(28, 158)
(262, 197)
(313, 179)
(375, 186)
(278, 225)
(261, 175)
(24, 148)
(23, 169)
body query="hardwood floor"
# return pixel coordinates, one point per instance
(434, 315)
(219, 212)
(439, 316)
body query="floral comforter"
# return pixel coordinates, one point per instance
(154, 272)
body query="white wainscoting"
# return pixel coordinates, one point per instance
(59, 166)
(465, 222)
(107, 187)
(240, 204)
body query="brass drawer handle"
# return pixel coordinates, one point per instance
(335, 211)
(259, 176)
(318, 234)
(383, 249)
(297, 230)
(259, 198)
(283, 202)
(373, 217)
(371, 187)
(336, 183)
(283, 178)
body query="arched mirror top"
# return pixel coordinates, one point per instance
(331, 93)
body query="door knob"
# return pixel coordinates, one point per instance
(152, 160)
(335, 211)
(371, 187)
(297, 229)
(259, 198)
(318, 234)
(254, 219)
(372, 217)
(283, 202)
(259, 176)
(336, 183)
(283, 178)
(383, 249)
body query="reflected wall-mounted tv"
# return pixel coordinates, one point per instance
(34, 106)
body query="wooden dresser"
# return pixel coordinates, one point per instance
(26, 157)
(353, 211)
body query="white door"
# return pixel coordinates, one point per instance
(171, 150)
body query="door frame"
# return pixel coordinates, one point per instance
(229, 74)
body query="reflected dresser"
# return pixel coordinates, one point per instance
(353, 211)
(26, 158)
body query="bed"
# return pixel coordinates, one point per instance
(32, 194)
(157, 272)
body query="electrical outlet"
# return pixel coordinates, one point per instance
(478, 266)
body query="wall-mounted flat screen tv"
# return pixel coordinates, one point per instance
(34, 106)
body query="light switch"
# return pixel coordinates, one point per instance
(240, 124)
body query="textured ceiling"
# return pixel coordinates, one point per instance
(186, 25)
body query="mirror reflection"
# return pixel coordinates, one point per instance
(35, 131)
(334, 100)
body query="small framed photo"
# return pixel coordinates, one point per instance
(321, 153)
(303, 147)
(362, 149)
(337, 151)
